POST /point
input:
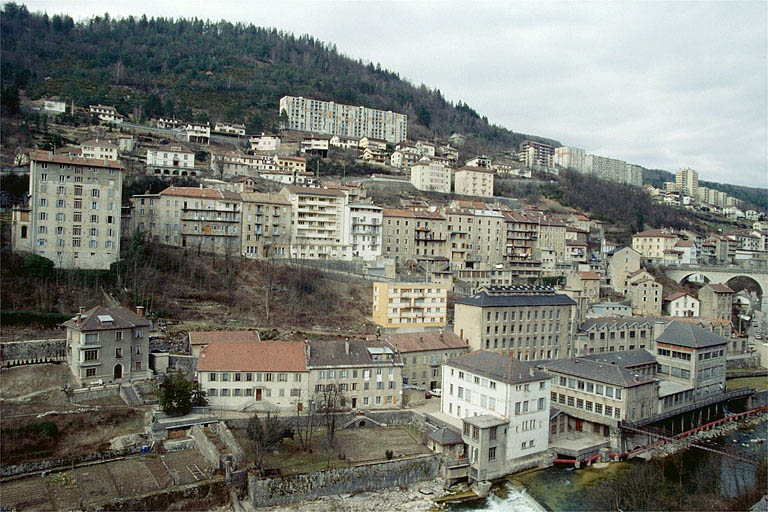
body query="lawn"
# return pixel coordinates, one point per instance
(758, 383)
(350, 447)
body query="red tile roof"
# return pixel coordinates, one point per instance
(47, 156)
(245, 356)
(721, 288)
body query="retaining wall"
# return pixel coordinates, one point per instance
(208, 495)
(233, 447)
(65, 462)
(14, 353)
(290, 489)
(389, 418)
(94, 393)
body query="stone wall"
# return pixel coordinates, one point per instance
(205, 446)
(388, 418)
(290, 489)
(187, 364)
(209, 495)
(14, 353)
(66, 462)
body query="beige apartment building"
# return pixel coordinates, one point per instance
(318, 228)
(474, 181)
(73, 217)
(621, 264)
(527, 322)
(202, 219)
(99, 150)
(716, 301)
(365, 374)
(410, 234)
(431, 176)
(653, 244)
(409, 306)
(266, 225)
(645, 296)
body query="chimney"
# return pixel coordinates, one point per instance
(80, 315)
(307, 348)
(346, 345)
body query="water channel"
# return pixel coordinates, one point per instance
(565, 489)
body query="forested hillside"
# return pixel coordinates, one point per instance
(200, 70)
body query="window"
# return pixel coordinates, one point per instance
(212, 377)
(492, 453)
(119, 352)
(492, 433)
(90, 372)
(91, 355)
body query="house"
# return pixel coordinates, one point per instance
(423, 354)
(99, 149)
(526, 322)
(108, 344)
(474, 181)
(169, 158)
(106, 113)
(372, 143)
(681, 304)
(316, 145)
(198, 133)
(263, 376)
(291, 164)
(229, 128)
(584, 288)
(716, 301)
(609, 309)
(264, 143)
(198, 340)
(501, 407)
(73, 217)
(345, 142)
(366, 374)
(404, 157)
(409, 306)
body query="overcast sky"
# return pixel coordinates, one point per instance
(664, 85)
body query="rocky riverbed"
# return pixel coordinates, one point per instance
(417, 498)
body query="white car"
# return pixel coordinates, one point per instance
(437, 392)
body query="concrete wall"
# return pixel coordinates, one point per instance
(295, 488)
(233, 447)
(14, 353)
(207, 449)
(94, 392)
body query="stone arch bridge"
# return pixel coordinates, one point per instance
(719, 274)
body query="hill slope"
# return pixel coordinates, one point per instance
(195, 69)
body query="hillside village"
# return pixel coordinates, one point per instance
(539, 337)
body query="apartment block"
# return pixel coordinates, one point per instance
(528, 323)
(474, 181)
(99, 150)
(327, 117)
(73, 217)
(431, 176)
(687, 182)
(409, 306)
(318, 228)
(365, 230)
(171, 159)
(266, 225)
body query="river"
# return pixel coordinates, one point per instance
(565, 489)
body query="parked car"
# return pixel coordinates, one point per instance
(437, 392)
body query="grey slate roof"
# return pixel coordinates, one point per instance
(599, 323)
(122, 319)
(333, 353)
(606, 373)
(445, 437)
(498, 367)
(624, 358)
(686, 334)
(482, 299)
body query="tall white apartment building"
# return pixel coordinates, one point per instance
(364, 221)
(502, 407)
(73, 217)
(687, 182)
(317, 225)
(327, 117)
(431, 176)
(569, 158)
